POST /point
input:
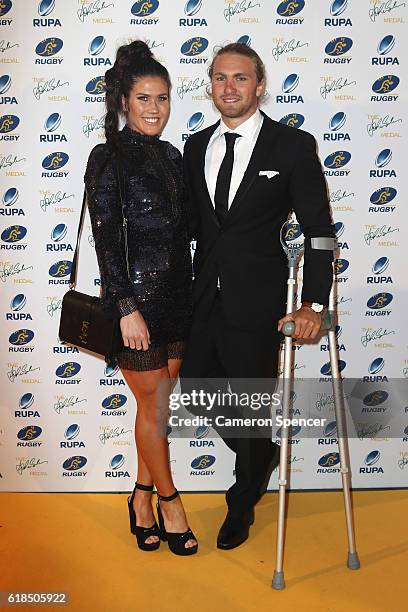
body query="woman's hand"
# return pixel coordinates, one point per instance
(134, 331)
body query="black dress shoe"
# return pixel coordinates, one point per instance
(235, 529)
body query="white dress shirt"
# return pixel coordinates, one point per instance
(244, 146)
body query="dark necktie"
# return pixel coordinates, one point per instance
(224, 177)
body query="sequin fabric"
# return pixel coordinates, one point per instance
(159, 279)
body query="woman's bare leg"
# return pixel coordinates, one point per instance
(151, 441)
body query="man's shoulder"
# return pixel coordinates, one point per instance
(295, 135)
(198, 137)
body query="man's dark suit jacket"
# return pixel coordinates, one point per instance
(245, 253)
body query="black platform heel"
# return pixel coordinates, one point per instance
(142, 533)
(176, 541)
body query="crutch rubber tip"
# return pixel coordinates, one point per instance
(288, 328)
(278, 581)
(353, 562)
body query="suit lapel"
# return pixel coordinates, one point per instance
(261, 152)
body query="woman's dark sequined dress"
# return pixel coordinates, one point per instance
(160, 273)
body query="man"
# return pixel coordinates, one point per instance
(244, 175)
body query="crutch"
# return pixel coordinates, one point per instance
(293, 246)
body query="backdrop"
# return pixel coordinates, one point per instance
(336, 69)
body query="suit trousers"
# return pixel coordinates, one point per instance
(220, 357)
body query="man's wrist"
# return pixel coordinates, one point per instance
(315, 306)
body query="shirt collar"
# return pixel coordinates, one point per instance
(247, 129)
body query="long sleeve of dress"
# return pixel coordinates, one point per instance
(107, 227)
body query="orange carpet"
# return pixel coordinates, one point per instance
(79, 543)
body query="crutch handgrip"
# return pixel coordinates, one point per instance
(288, 328)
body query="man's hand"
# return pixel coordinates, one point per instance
(134, 331)
(307, 323)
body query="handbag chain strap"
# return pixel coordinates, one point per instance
(120, 178)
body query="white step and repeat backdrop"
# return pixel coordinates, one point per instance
(335, 68)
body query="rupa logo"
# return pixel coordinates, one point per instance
(72, 432)
(142, 11)
(379, 268)
(370, 462)
(384, 47)
(194, 124)
(57, 236)
(289, 84)
(288, 12)
(329, 433)
(111, 377)
(201, 443)
(17, 304)
(51, 125)
(374, 369)
(45, 8)
(377, 305)
(335, 124)
(191, 8)
(5, 84)
(95, 48)
(10, 197)
(381, 161)
(24, 407)
(63, 348)
(245, 39)
(115, 465)
(201, 431)
(192, 48)
(340, 347)
(339, 230)
(295, 120)
(337, 8)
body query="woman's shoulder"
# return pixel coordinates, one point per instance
(99, 155)
(99, 160)
(172, 151)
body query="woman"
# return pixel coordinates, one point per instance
(145, 272)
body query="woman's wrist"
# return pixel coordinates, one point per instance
(126, 306)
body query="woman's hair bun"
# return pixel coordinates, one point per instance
(136, 51)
